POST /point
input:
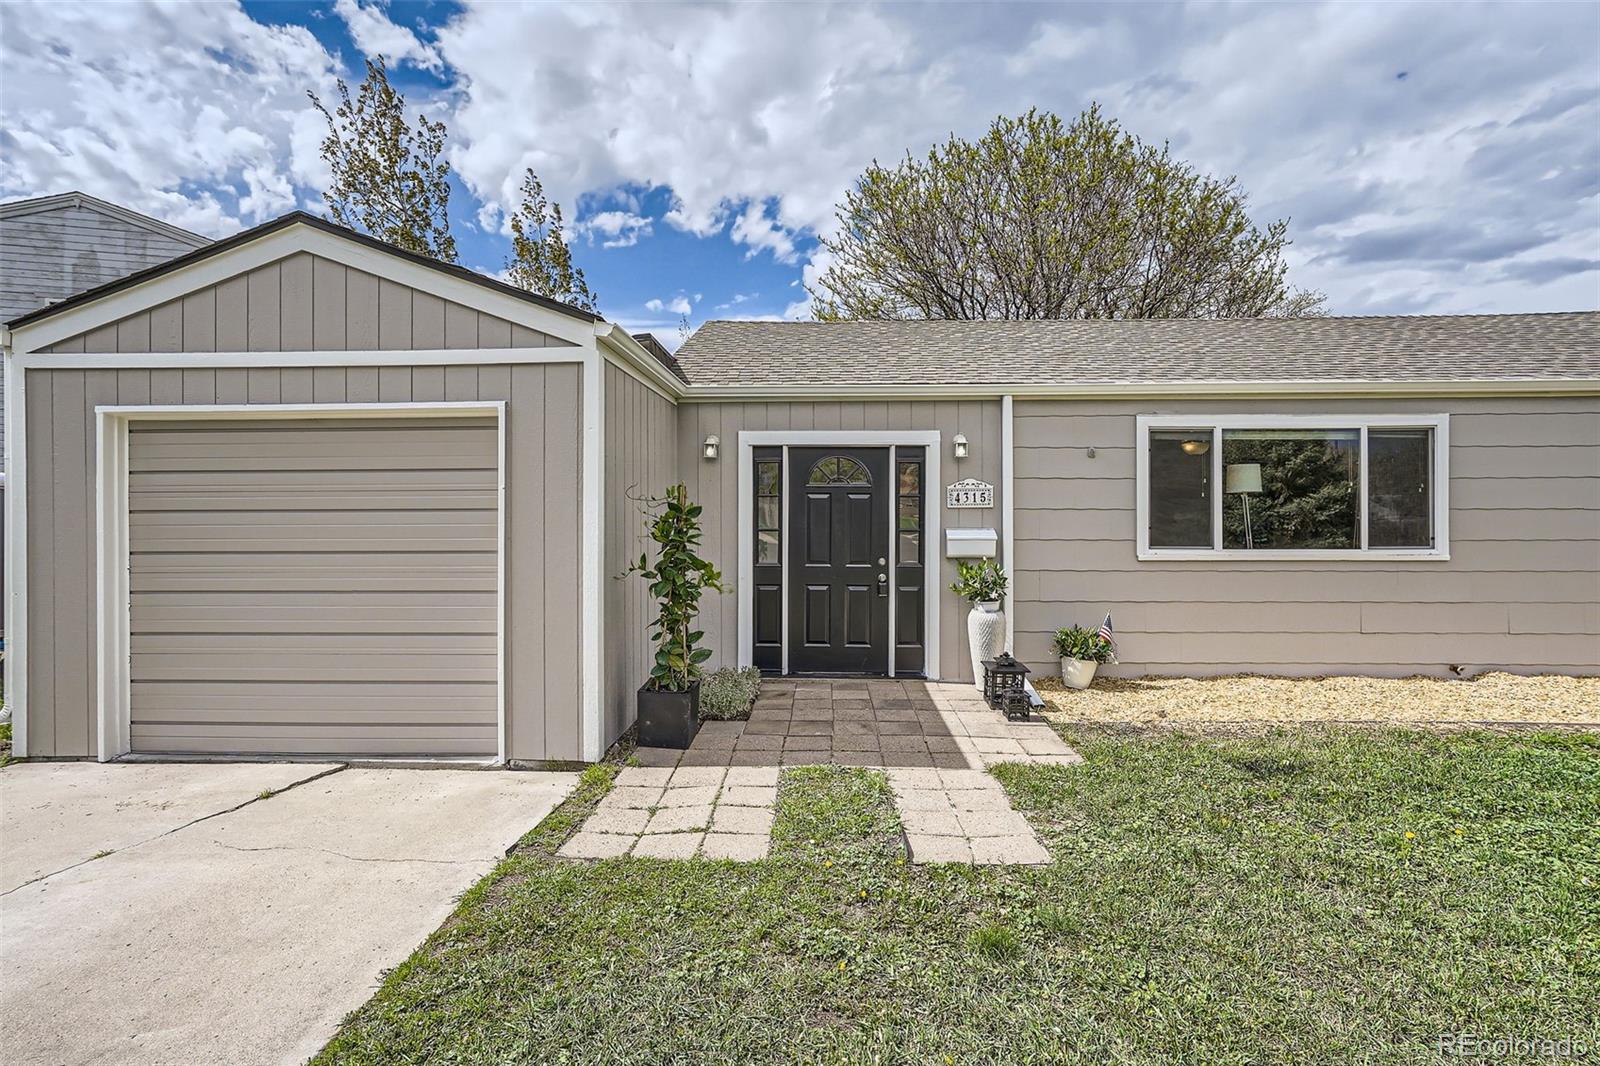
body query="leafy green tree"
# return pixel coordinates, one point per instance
(1307, 499)
(1041, 219)
(541, 261)
(677, 580)
(389, 179)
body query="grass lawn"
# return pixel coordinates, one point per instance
(1329, 898)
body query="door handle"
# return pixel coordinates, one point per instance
(883, 585)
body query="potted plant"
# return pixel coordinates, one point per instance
(669, 701)
(982, 584)
(1081, 651)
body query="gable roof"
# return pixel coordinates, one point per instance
(1555, 347)
(22, 208)
(298, 218)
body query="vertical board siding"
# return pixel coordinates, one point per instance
(543, 530)
(715, 486)
(641, 460)
(1519, 592)
(306, 303)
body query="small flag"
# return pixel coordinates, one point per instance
(1108, 634)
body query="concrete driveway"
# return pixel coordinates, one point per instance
(183, 913)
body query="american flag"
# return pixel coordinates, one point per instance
(1106, 633)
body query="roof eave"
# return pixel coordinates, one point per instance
(1435, 387)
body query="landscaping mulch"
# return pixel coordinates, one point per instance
(1247, 703)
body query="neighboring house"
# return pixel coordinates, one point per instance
(302, 492)
(53, 247)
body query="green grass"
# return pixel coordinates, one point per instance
(1343, 897)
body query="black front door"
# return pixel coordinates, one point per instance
(838, 560)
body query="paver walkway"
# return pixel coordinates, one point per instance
(663, 813)
(935, 741)
(877, 723)
(962, 816)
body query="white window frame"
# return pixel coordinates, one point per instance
(1216, 423)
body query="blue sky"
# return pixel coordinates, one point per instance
(1430, 158)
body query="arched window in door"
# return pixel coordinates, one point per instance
(838, 470)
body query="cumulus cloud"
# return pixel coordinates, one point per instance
(192, 113)
(616, 229)
(377, 35)
(678, 305)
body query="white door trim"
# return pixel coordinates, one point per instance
(114, 696)
(749, 440)
(16, 552)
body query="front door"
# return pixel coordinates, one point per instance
(839, 560)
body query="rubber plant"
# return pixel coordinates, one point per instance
(677, 581)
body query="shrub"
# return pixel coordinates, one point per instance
(677, 581)
(979, 581)
(1080, 643)
(727, 694)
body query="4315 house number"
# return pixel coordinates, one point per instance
(969, 493)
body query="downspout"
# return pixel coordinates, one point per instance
(1007, 514)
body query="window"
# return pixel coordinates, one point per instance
(1292, 486)
(769, 512)
(909, 512)
(838, 470)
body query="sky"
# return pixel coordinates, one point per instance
(1430, 158)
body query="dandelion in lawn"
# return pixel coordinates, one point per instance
(1410, 835)
(841, 965)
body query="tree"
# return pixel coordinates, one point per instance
(388, 179)
(1039, 219)
(540, 260)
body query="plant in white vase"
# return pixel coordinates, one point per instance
(983, 584)
(1081, 651)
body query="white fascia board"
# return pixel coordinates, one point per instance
(224, 360)
(279, 244)
(1146, 390)
(621, 348)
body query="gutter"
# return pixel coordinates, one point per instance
(1124, 390)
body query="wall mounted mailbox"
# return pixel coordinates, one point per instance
(969, 543)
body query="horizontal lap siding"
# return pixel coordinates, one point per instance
(544, 479)
(348, 535)
(714, 484)
(1520, 591)
(306, 303)
(641, 461)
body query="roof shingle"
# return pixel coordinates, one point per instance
(1560, 346)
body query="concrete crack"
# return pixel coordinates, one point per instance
(168, 832)
(346, 855)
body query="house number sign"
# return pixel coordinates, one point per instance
(969, 493)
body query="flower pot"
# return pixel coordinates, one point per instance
(986, 635)
(668, 719)
(1077, 673)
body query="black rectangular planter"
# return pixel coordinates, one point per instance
(668, 719)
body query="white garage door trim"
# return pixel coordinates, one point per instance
(114, 699)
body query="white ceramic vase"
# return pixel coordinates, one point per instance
(1078, 673)
(986, 635)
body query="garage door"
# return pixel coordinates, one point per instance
(314, 586)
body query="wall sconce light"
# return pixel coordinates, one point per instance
(710, 448)
(961, 445)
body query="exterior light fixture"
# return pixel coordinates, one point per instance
(1005, 685)
(710, 448)
(1195, 447)
(961, 445)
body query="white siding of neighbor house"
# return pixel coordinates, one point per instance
(1520, 591)
(641, 459)
(715, 484)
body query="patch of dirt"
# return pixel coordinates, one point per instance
(1245, 703)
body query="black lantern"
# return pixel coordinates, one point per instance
(1003, 676)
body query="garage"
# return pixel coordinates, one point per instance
(314, 585)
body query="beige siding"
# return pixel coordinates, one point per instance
(715, 485)
(1521, 589)
(544, 481)
(301, 303)
(641, 460)
(314, 586)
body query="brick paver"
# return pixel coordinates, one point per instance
(962, 816)
(666, 812)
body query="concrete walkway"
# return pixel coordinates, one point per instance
(171, 914)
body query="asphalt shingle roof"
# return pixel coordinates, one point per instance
(1148, 351)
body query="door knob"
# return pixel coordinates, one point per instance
(883, 585)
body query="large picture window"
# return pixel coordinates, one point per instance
(1292, 486)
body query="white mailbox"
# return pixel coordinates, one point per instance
(969, 543)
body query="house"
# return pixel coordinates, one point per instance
(302, 492)
(52, 247)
